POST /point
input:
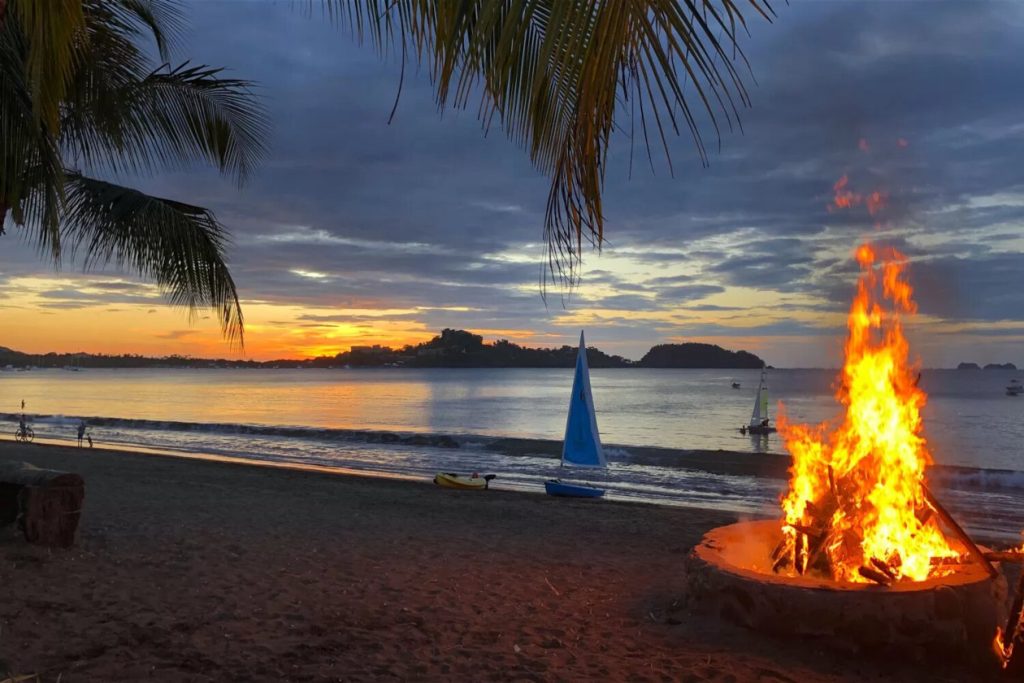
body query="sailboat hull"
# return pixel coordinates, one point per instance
(760, 430)
(554, 487)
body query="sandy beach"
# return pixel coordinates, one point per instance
(188, 570)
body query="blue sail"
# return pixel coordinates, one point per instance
(582, 445)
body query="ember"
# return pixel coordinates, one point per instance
(857, 508)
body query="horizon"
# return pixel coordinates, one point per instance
(357, 232)
(226, 359)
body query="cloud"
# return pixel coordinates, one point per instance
(436, 224)
(176, 334)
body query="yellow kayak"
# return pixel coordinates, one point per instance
(458, 481)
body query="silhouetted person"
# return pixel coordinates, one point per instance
(81, 432)
(89, 437)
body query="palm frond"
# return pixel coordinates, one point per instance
(162, 18)
(165, 119)
(51, 30)
(556, 74)
(180, 247)
(194, 111)
(122, 114)
(31, 170)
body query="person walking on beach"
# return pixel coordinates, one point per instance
(89, 438)
(81, 433)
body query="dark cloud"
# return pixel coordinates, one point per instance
(683, 293)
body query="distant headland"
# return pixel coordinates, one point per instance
(450, 349)
(990, 366)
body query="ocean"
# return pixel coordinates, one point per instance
(413, 423)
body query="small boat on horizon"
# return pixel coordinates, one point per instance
(735, 385)
(1014, 388)
(582, 444)
(760, 422)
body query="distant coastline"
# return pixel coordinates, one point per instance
(450, 349)
(989, 366)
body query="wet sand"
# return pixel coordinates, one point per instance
(202, 571)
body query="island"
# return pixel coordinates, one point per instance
(694, 356)
(1000, 366)
(968, 366)
(450, 349)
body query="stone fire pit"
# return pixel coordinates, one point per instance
(729, 574)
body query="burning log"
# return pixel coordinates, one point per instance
(875, 575)
(1008, 556)
(958, 531)
(817, 558)
(783, 554)
(1006, 639)
(884, 568)
(780, 548)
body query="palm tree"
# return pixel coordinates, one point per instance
(79, 95)
(561, 75)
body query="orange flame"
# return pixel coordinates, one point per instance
(845, 198)
(875, 202)
(871, 469)
(1003, 649)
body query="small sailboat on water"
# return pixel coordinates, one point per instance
(760, 423)
(582, 444)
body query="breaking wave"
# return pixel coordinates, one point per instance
(721, 462)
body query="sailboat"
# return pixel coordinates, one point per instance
(582, 444)
(760, 423)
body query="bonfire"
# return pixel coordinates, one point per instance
(857, 508)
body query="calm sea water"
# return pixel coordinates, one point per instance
(343, 418)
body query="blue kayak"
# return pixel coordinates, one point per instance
(554, 487)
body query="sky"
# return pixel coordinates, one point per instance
(356, 231)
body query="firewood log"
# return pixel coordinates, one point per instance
(873, 574)
(1012, 633)
(800, 554)
(884, 568)
(780, 547)
(1008, 556)
(958, 531)
(785, 557)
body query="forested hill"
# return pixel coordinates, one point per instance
(694, 355)
(450, 349)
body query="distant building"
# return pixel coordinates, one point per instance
(375, 349)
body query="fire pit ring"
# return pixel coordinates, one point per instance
(729, 573)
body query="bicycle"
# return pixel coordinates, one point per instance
(24, 434)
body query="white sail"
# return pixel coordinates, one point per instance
(760, 404)
(582, 444)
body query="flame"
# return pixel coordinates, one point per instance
(845, 198)
(876, 201)
(870, 470)
(1003, 650)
